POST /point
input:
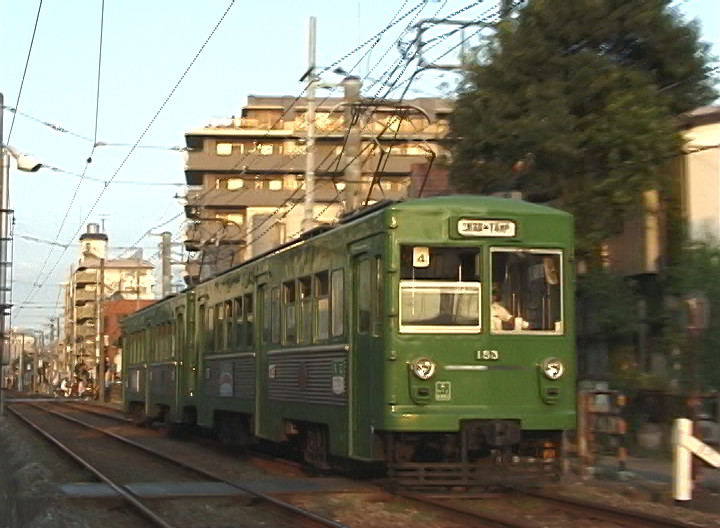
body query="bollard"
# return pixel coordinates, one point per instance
(682, 461)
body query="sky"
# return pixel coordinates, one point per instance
(152, 87)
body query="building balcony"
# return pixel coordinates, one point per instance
(85, 277)
(84, 296)
(85, 332)
(213, 231)
(85, 312)
(207, 161)
(239, 199)
(192, 271)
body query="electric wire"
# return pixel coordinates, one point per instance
(137, 142)
(27, 63)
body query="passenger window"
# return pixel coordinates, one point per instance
(276, 315)
(379, 296)
(179, 334)
(219, 327)
(322, 305)
(210, 334)
(250, 320)
(304, 291)
(238, 338)
(266, 316)
(290, 312)
(203, 323)
(228, 334)
(364, 294)
(337, 302)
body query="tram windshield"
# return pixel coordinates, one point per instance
(440, 290)
(526, 290)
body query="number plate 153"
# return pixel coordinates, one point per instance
(488, 355)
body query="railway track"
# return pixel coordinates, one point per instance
(536, 509)
(514, 509)
(152, 468)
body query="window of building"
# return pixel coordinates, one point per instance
(275, 185)
(235, 183)
(304, 293)
(322, 305)
(337, 302)
(223, 149)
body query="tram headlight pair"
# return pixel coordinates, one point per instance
(423, 368)
(553, 368)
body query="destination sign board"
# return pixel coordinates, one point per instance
(485, 228)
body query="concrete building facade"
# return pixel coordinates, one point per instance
(94, 279)
(247, 173)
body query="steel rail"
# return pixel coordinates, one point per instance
(126, 494)
(495, 518)
(611, 513)
(185, 465)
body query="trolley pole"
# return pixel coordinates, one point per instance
(309, 213)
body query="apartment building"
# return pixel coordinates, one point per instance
(247, 173)
(95, 280)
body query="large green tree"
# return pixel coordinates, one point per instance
(575, 103)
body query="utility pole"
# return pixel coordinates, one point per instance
(4, 237)
(100, 352)
(309, 213)
(21, 366)
(351, 157)
(166, 263)
(73, 318)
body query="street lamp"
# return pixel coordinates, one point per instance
(27, 164)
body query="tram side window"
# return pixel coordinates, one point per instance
(364, 291)
(266, 316)
(527, 284)
(304, 292)
(179, 334)
(210, 328)
(337, 302)
(276, 315)
(290, 312)
(219, 326)
(379, 295)
(227, 332)
(322, 305)
(249, 320)
(239, 333)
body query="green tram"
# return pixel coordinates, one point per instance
(429, 333)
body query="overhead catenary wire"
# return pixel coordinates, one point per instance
(392, 69)
(130, 152)
(27, 63)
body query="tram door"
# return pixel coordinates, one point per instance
(366, 354)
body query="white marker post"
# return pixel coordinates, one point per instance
(685, 445)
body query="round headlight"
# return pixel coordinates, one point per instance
(553, 368)
(423, 368)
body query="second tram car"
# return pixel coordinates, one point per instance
(431, 335)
